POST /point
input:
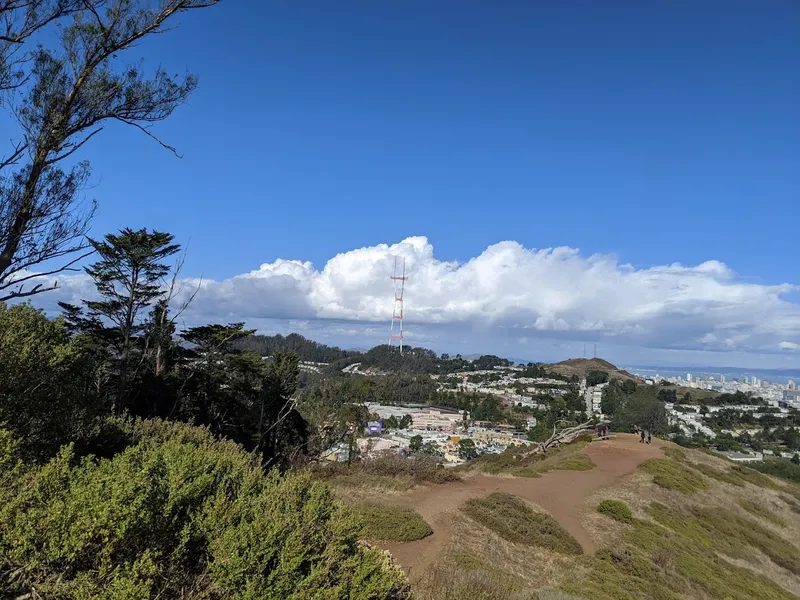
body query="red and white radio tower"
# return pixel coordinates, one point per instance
(399, 278)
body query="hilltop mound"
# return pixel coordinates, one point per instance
(580, 367)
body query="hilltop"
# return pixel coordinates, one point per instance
(580, 367)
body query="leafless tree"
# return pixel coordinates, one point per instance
(61, 98)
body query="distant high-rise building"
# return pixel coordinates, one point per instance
(746, 379)
(722, 378)
(792, 385)
(689, 377)
(754, 381)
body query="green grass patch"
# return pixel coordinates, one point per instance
(674, 453)
(672, 475)
(760, 511)
(616, 509)
(513, 520)
(754, 477)
(658, 563)
(728, 533)
(518, 461)
(724, 476)
(391, 523)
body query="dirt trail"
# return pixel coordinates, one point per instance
(561, 493)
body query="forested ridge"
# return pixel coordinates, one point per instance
(381, 357)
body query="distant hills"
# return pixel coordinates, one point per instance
(580, 367)
(414, 360)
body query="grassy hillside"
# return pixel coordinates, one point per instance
(580, 367)
(684, 524)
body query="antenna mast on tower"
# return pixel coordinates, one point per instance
(399, 278)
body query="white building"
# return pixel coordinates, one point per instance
(593, 397)
(792, 397)
(689, 377)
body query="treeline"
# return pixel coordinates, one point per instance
(383, 357)
(307, 350)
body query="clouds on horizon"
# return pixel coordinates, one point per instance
(512, 291)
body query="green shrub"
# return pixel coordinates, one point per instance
(181, 515)
(46, 397)
(392, 523)
(512, 519)
(674, 476)
(616, 509)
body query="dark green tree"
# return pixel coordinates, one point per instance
(596, 377)
(611, 400)
(645, 411)
(415, 443)
(128, 276)
(467, 449)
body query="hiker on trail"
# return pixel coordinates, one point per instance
(605, 432)
(636, 429)
(641, 432)
(649, 437)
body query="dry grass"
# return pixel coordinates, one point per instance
(759, 510)
(728, 533)
(489, 567)
(517, 522)
(387, 473)
(720, 475)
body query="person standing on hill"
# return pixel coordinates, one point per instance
(649, 437)
(641, 433)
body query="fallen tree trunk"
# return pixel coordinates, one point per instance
(563, 436)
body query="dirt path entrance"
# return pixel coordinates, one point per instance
(561, 493)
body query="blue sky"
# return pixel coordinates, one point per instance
(652, 134)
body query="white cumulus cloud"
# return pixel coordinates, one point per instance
(513, 290)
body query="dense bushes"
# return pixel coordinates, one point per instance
(45, 382)
(616, 509)
(178, 515)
